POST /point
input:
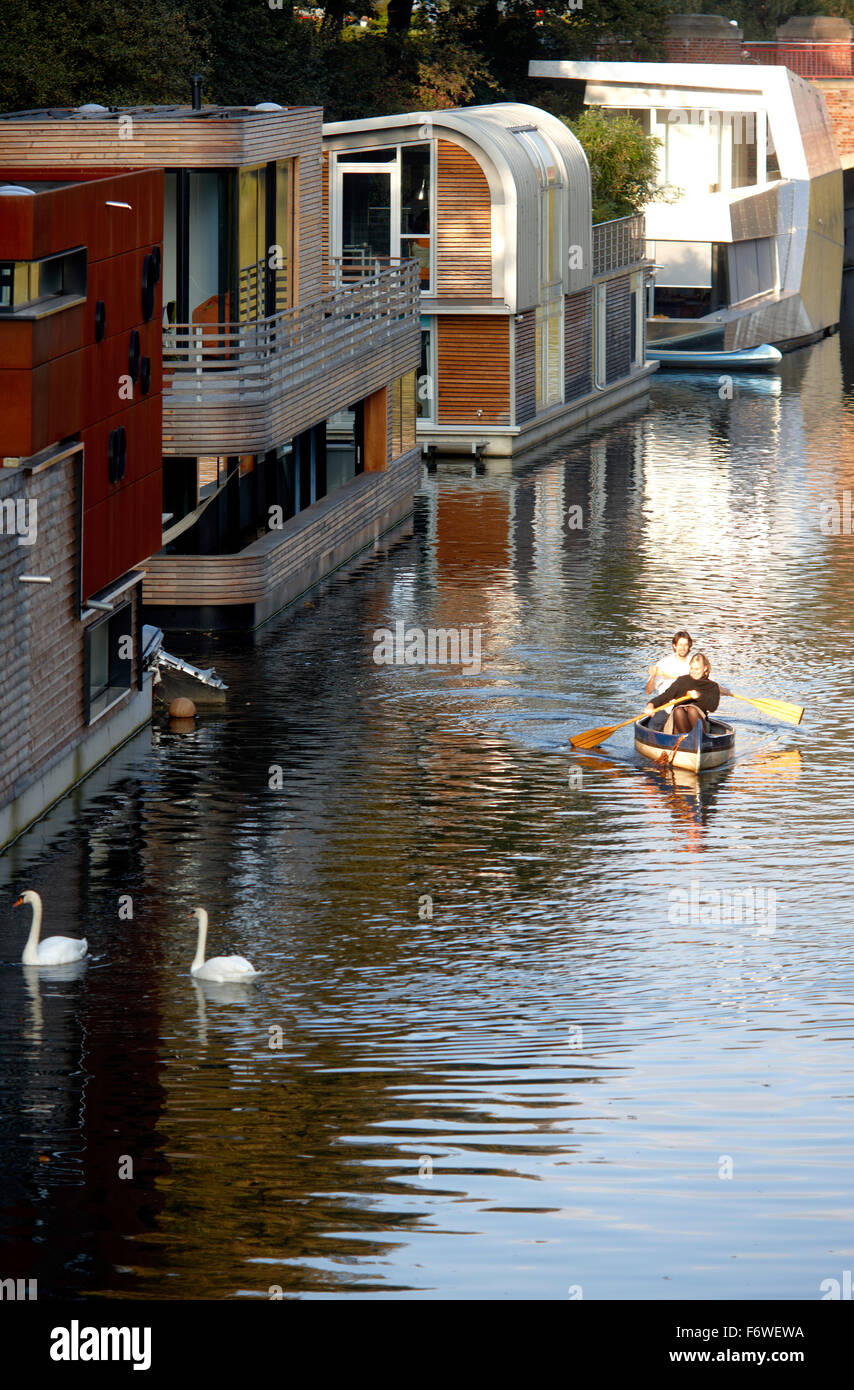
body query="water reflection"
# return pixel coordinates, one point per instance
(481, 1059)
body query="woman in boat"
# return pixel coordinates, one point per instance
(705, 696)
(669, 667)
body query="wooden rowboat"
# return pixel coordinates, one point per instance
(698, 751)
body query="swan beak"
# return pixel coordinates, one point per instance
(19, 903)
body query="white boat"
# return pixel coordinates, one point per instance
(175, 678)
(764, 358)
(748, 230)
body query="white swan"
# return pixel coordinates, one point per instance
(222, 968)
(57, 950)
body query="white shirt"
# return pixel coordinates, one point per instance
(668, 669)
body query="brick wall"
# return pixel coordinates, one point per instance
(700, 50)
(578, 344)
(41, 638)
(840, 106)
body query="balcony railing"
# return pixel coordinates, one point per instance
(619, 244)
(249, 387)
(807, 59)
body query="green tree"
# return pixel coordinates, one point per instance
(66, 52)
(622, 159)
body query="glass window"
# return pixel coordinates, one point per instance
(549, 357)
(204, 265)
(383, 156)
(426, 386)
(109, 650)
(415, 207)
(366, 216)
(404, 411)
(170, 245)
(24, 283)
(251, 238)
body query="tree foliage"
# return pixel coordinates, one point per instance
(622, 159)
(436, 53)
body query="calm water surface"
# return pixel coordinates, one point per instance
(542, 1087)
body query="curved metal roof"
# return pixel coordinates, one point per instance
(494, 136)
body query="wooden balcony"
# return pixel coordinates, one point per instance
(619, 244)
(246, 388)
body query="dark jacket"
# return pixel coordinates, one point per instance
(708, 693)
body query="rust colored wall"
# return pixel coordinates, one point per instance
(57, 382)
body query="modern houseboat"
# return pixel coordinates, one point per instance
(747, 239)
(289, 380)
(532, 319)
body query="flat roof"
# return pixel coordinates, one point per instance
(154, 113)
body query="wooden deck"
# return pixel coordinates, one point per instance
(247, 389)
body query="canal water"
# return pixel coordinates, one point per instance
(528, 1024)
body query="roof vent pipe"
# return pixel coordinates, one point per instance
(196, 85)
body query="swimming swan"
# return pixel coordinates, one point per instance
(222, 968)
(57, 950)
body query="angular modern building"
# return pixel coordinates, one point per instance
(532, 319)
(748, 242)
(80, 472)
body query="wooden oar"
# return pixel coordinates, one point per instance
(591, 738)
(779, 710)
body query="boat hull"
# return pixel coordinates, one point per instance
(764, 358)
(698, 752)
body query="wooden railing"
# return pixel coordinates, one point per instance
(249, 387)
(618, 244)
(834, 58)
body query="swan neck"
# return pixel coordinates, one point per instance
(31, 950)
(202, 940)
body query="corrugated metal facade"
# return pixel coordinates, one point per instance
(526, 368)
(577, 345)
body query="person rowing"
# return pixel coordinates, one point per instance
(672, 665)
(705, 696)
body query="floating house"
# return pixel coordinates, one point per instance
(748, 239)
(288, 394)
(80, 473)
(532, 320)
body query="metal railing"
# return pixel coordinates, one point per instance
(619, 243)
(246, 387)
(807, 59)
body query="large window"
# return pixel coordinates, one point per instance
(383, 202)
(108, 661)
(549, 313)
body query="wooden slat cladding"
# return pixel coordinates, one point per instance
(618, 329)
(284, 562)
(526, 367)
(209, 140)
(464, 225)
(473, 370)
(308, 230)
(324, 230)
(578, 345)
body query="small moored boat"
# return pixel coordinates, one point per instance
(698, 750)
(763, 358)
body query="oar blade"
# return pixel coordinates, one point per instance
(780, 710)
(591, 738)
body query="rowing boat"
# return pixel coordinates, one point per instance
(698, 750)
